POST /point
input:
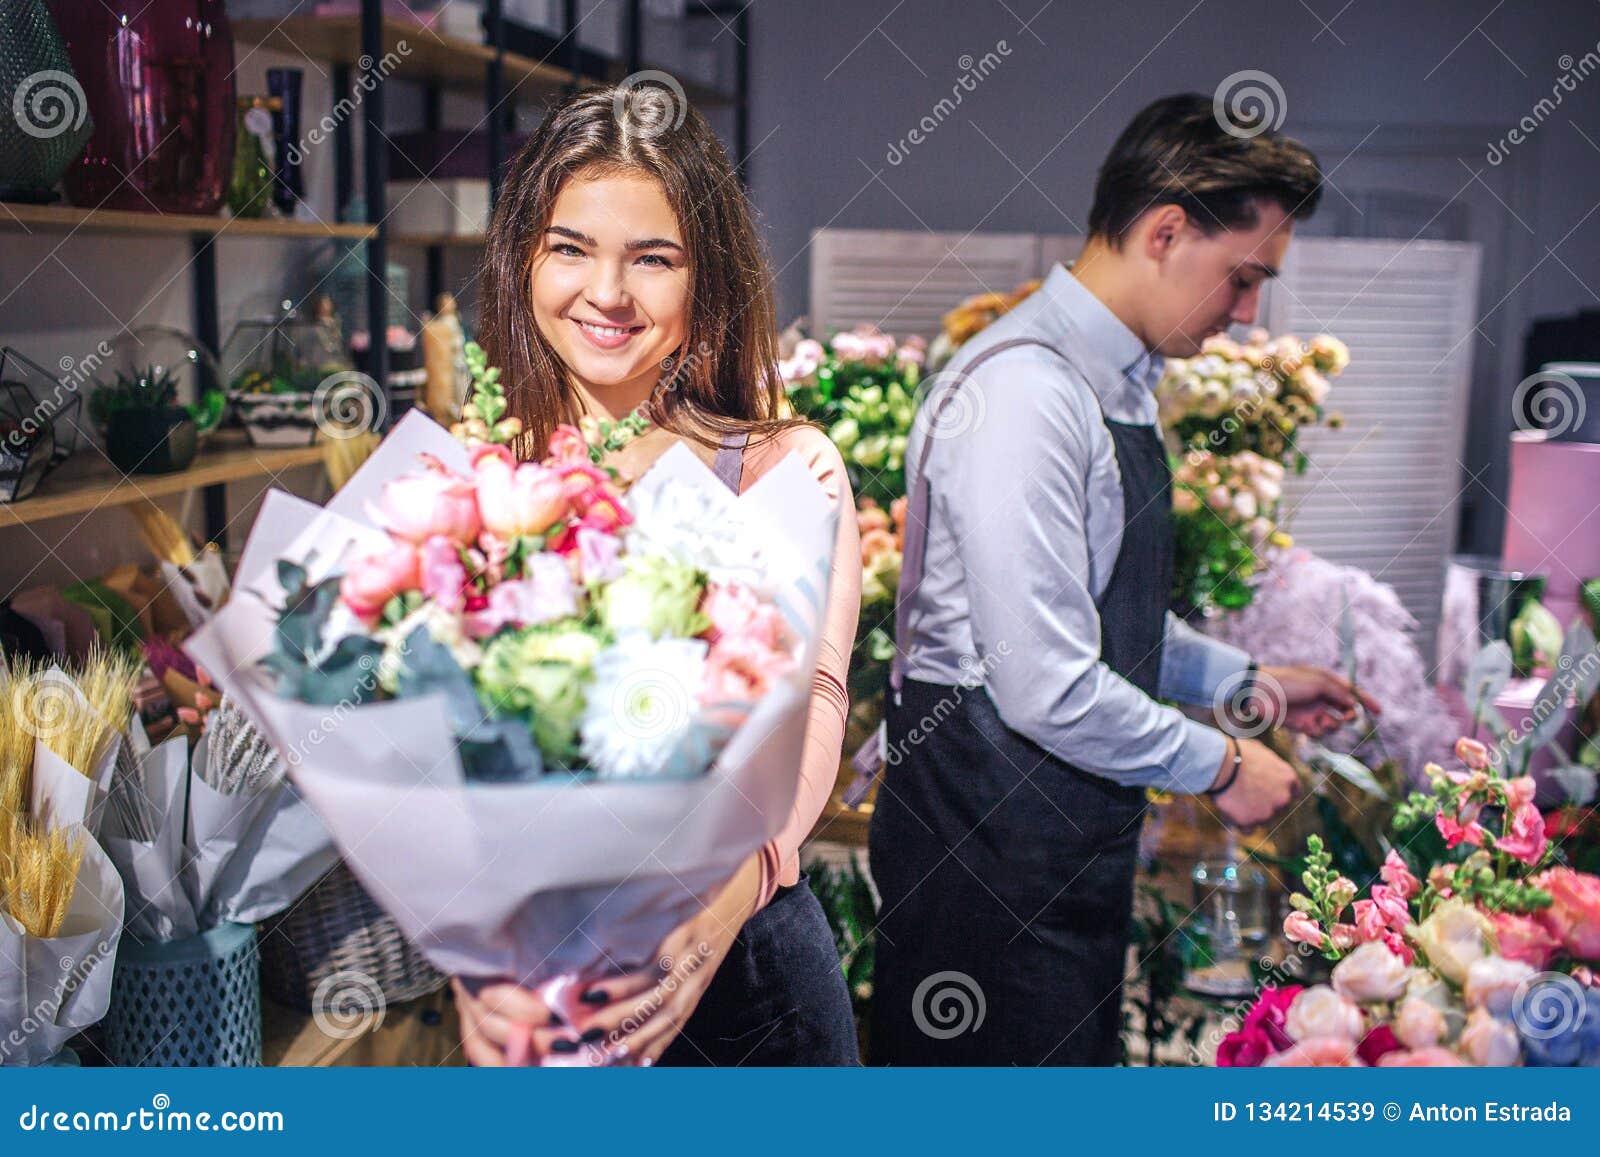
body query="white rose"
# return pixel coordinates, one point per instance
(1492, 983)
(1319, 1011)
(1418, 1024)
(1489, 1042)
(1370, 973)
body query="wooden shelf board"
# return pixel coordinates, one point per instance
(449, 61)
(87, 481)
(446, 240)
(71, 219)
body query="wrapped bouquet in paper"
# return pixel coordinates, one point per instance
(61, 902)
(543, 718)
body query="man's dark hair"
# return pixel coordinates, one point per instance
(1214, 164)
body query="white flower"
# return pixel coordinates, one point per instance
(640, 718)
(698, 527)
(1489, 1042)
(1370, 973)
(1492, 983)
(1320, 1011)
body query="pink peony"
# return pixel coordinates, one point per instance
(1524, 938)
(739, 669)
(1398, 876)
(1318, 1053)
(737, 611)
(428, 503)
(599, 554)
(443, 578)
(543, 594)
(371, 582)
(1574, 912)
(1526, 841)
(516, 500)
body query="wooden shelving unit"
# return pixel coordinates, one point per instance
(87, 481)
(71, 219)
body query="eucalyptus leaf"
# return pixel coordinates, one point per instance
(1581, 660)
(1348, 768)
(1549, 713)
(1487, 676)
(1577, 781)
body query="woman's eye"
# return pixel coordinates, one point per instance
(656, 259)
(566, 250)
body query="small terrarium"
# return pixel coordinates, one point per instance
(39, 424)
(159, 353)
(146, 430)
(277, 369)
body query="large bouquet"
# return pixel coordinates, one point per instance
(1477, 946)
(862, 387)
(1233, 414)
(542, 717)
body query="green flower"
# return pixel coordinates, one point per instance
(656, 595)
(541, 674)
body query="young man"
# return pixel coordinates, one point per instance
(1035, 639)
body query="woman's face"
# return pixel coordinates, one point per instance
(610, 284)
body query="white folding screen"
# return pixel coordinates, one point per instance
(1382, 491)
(905, 281)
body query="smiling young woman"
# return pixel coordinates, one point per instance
(624, 277)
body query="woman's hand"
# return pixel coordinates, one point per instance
(628, 1019)
(636, 1016)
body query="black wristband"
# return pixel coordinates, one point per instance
(1233, 771)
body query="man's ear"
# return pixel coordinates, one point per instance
(1161, 229)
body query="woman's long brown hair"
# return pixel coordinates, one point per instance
(724, 379)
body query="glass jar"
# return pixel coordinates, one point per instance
(158, 75)
(250, 188)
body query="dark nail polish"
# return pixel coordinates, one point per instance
(556, 1021)
(592, 1036)
(564, 1046)
(595, 996)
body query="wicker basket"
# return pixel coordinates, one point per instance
(335, 945)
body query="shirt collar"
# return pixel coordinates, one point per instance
(1121, 371)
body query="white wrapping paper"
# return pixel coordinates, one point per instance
(52, 989)
(536, 880)
(61, 795)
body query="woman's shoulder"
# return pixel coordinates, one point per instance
(811, 444)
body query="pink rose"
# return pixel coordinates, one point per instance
(430, 502)
(444, 579)
(599, 555)
(1398, 876)
(1524, 938)
(1574, 912)
(543, 594)
(1432, 1057)
(739, 669)
(1418, 1024)
(1526, 840)
(1492, 983)
(737, 611)
(371, 582)
(1320, 1011)
(1370, 974)
(1489, 1042)
(1317, 1053)
(1302, 929)
(1472, 753)
(514, 500)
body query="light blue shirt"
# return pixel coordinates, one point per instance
(1026, 518)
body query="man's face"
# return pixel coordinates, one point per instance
(1201, 285)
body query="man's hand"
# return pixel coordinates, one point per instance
(1313, 700)
(1264, 786)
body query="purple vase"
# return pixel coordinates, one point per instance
(158, 75)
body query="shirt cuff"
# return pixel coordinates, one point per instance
(1200, 668)
(1195, 769)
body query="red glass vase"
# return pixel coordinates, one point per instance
(158, 76)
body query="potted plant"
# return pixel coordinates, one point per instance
(146, 431)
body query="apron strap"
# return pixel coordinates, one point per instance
(729, 462)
